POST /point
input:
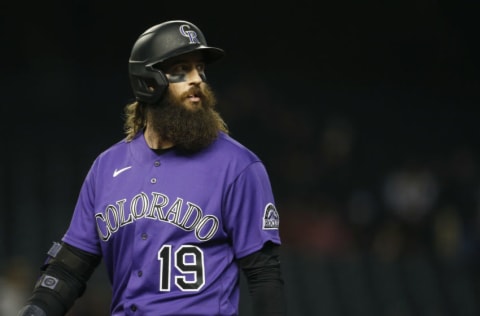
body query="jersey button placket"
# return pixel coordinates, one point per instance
(155, 164)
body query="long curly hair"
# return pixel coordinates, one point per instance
(135, 119)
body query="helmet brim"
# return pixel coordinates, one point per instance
(210, 54)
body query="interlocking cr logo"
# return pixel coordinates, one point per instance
(192, 35)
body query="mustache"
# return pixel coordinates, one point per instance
(196, 91)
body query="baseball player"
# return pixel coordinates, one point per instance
(176, 209)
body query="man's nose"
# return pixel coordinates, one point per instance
(195, 76)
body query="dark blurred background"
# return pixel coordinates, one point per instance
(364, 112)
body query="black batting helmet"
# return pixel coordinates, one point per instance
(158, 44)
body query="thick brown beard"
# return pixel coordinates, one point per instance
(189, 130)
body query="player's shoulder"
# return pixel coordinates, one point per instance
(231, 147)
(117, 152)
(115, 148)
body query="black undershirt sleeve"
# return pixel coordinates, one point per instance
(262, 270)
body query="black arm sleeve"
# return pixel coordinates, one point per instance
(69, 272)
(262, 270)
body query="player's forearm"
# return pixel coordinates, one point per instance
(54, 294)
(265, 282)
(268, 298)
(66, 273)
(43, 303)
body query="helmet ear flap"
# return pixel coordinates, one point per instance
(148, 83)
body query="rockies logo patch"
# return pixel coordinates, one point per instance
(271, 219)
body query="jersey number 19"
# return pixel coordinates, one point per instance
(189, 264)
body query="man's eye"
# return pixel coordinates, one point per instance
(183, 69)
(178, 69)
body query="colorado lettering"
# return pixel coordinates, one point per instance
(185, 215)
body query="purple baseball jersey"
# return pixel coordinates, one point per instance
(170, 226)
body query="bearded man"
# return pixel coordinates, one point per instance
(176, 209)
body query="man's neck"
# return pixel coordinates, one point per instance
(155, 141)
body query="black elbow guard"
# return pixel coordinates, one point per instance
(78, 263)
(66, 273)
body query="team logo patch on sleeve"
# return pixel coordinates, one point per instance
(49, 281)
(271, 219)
